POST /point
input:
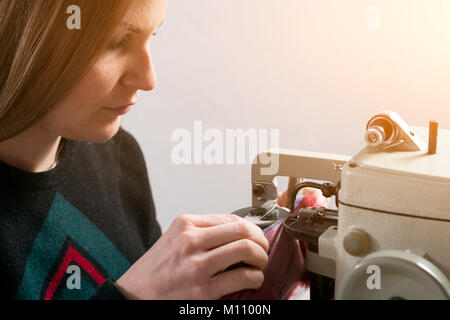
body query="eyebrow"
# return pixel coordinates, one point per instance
(131, 27)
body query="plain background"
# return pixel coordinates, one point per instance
(317, 70)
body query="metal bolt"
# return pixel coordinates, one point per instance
(259, 190)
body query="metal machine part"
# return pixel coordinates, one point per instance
(262, 217)
(394, 275)
(388, 130)
(293, 164)
(267, 211)
(309, 224)
(328, 189)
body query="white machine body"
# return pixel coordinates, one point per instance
(396, 200)
(394, 219)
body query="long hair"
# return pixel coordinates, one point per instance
(41, 60)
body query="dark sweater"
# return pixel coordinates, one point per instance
(70, 232)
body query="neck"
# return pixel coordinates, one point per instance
(34, 150)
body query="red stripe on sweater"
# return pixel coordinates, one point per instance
(72, 255)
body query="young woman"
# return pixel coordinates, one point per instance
(77, 219)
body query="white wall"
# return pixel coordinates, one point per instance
(315, 69)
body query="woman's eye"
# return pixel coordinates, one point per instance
(117, 44)
(114, 44)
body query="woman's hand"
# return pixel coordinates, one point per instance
(190, 260)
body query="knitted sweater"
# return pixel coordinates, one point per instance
(70, 232)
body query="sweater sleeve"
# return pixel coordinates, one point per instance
(108, 291)
(136, 188)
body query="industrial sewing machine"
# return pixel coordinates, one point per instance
(390, 235)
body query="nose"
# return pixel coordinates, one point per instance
(140, 74)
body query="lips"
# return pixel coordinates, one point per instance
(123, 106)
(121, 110)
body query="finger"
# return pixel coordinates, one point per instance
(209, 220)
(321, 200)
(213, 237)
(237, 279)
(282, 198)
(243, 250)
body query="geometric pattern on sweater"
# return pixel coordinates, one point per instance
(68, 238)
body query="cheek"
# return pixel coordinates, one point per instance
(82, 108)
(94, 90)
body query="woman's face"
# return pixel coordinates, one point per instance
(124, 67)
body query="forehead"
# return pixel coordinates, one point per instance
(144, 15)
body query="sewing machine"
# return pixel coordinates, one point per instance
(390, 235)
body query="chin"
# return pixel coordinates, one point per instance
(110, 132)
(104, 133)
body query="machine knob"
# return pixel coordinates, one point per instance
(356, 243)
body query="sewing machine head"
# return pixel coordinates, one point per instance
(390, 235)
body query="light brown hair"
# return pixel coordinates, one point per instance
(41, 60)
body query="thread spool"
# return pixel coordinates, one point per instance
(381, 131)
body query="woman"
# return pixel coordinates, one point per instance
(76, 212)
